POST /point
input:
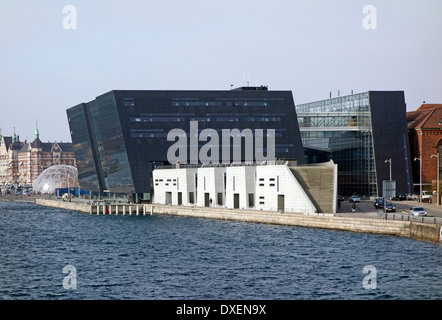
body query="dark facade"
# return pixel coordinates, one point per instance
(120, 136)
(360, 132)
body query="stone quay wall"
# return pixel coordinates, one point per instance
(416, 230)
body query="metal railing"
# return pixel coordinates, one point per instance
(224, 165)
(406, 217)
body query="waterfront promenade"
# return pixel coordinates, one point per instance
(374, 224)
(23, 199)
(365, 219)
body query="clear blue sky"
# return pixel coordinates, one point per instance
(310, 47)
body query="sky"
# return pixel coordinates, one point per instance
(51, 60)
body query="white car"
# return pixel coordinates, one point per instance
(354, 198)
(425, 195)
(418, 211)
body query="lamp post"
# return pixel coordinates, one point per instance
(385, 204)
(437, 156)
(389, 160)
(420, 178)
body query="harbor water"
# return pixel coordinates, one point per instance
(169, 257)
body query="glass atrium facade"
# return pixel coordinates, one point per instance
(359, 132)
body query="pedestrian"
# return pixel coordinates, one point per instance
(353, 207)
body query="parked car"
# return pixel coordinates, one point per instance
(400, 197)
(379, 203)
(426, 195)
(390, 207)
(26, 192)
(355, 198)
(409, 196)
(377, 199)
(418, 211)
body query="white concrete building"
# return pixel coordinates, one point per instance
(278, 189)
(178, 187)
(211, 186)
(271, 186)
(240, 187)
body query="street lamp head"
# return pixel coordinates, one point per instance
(417, 159)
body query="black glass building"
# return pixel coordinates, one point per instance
(364, 134)
(121, 136)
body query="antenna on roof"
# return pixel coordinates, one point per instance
(246, 76)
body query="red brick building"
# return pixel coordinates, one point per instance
(425, 136)
(22, 162)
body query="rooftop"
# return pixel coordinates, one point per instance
(233, 164)
(426, 116)
(288, 162)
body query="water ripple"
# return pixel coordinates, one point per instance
(161, 257)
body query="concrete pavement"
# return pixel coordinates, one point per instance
(365, 209)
